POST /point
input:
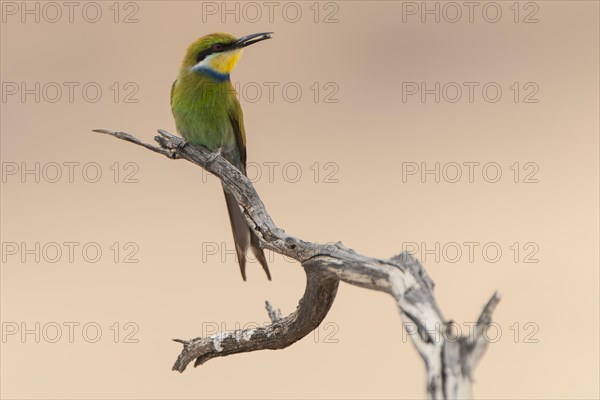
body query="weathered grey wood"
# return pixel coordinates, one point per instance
(449, 360)
(320, 292)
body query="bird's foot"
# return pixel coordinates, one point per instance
(213, 156)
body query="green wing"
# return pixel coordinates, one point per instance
(172, 90)
(236, 118)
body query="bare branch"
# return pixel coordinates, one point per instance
(128, 138)
(314, 306)
(274, 315)
(478, 343)
(449, 363)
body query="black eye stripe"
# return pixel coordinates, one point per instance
(202, 55)
(215, 48)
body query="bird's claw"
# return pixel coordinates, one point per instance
(213, 156)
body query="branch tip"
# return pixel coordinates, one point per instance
(489, 308)
(274, 315)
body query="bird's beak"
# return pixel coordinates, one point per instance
(251, 39)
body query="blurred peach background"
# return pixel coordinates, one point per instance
(330, 98)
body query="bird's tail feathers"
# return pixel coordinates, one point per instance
(259, 253)
(243, 236)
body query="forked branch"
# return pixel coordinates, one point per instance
(449, 360)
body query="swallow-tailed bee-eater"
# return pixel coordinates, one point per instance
(207, 112)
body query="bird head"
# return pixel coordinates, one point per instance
(216, 54)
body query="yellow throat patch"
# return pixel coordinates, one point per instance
(223, 63)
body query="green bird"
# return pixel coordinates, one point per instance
(207, 112)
